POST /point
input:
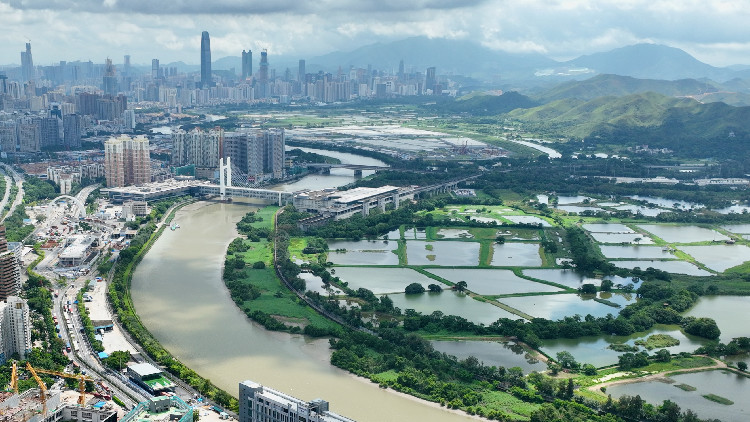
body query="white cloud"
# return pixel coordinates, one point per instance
(95, 29)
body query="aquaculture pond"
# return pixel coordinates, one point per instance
(635, 238)
(719, 257)
(363, 252)
(492, 353)
(314, 283)
(454, 234)
(443, 253)
(577, 209)
(512, 254)
(667, 203)
(563, 277)
(677, 267)
(559, 306)
(637, 209)
(492, 282)
(452, 303)
(737, 228)
(726, 311)
(383, 280)
(594, 350)
(527, 219)
(608, 228)
(722, 383)
(635, 252)
(683, 234)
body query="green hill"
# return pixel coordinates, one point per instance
(616, 85)
(683, 125)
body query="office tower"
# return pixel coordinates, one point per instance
(430, 81)
(126, 66)
(302, 78)
(10, 273)
(126, 161)
(128, 117)
(247, 64)
(206, 81)
(3, 83)
(27, 64)
(263, 91)
(154, 69)
(401, 71)
(260, 403)
(109, 80)
(72, 130)
(16, 328)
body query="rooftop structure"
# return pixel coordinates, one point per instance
(259, 403)
(343, 204)
(171, 409)
(77, 252)
(150, 377)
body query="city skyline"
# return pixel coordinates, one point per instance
(558, 29)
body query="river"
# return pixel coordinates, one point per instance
(180, 297)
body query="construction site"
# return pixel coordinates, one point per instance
(55, 404)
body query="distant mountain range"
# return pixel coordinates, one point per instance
(462, 57)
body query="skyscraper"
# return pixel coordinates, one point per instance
(302, 78)
(430, 80)
(263, 75)
(154, 69)
(27, 64)
(10, 274)
(206, 81)
(126, 66)
(109, 80)
(247, 64)
(401, 71)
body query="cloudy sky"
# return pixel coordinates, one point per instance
(714, 31)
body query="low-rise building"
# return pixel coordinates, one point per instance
(259, 403)
(171, 409)
(150, 378)
(77, 252)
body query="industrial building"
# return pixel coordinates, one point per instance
(150, 378)
(344, 204)
(259, 403)
(171, 409)
(77, 252)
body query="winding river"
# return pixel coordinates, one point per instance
(180, 297)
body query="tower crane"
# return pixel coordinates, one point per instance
(81, 382)
(14, 378)
(42, 388)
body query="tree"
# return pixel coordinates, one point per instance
(117, 359)
(461, 286)
(703, 327)
(587, 289)
(589, 369)
(742, 366)
(606, 285)
(434, 288)
(500, 240)
(566, 360)
(663, 355)
(414, 288)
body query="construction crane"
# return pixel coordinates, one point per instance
(14, 378)
(81, 382)
(42, 388)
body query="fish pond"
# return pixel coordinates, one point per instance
(492, 282)
(452, 303)
(443, 253)
(492, 353)
(383, 280)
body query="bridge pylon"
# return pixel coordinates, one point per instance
(225, 176)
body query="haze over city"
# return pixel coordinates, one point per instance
(714, 31)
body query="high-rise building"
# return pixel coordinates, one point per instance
(247, 64)
(263, 86)
(154, 69)
(430, 80)
(127, 161)
(10, 273)
(29, 133)
(302, 78)
(16, 328)
(72, 130)
(50, 131)
(257, 153)
(259, 403)
(401, 71)
(27, 64)
(206, 80)
(109, 80)
(126, 66)
(198, 147)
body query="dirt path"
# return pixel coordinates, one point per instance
(661, 375)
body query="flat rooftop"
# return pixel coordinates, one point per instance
(144, 369)
(360, 194)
